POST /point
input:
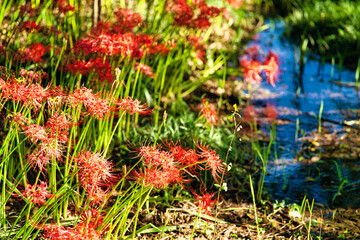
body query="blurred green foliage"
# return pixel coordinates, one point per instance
(331, 29)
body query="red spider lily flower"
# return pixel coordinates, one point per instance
(30, 95)
(158, 178)
(187, 158)
(85, 46)
(236, 4)
(37, 193)
(177, 151)
(145, 69)
(99, 108)
(81, 96)
(148, 153)
(205, 9)
(174, 175)
(126, 20)
(30, 26)
(212, 160)
(205, 201)
(83, 232)
(58, 126)
(201, 22)
(19, 119)
(133, 106)
(103, 70)
(32, 54)
(182, 12)
(98, 196)
(96, 106)
(39, 158)
(90, 220)
(196, 16)
(35, 95)
(152, 156)
(88, 232)
(10, 90)
(190, 160)
(162, 48)
(64, 6)
(98, 66)
(94, 170)
(164, 159)
(36, 133)
(208, 112)
(86, 97)
(79, 66)
(206, 12)
(104, 43)
(271, 67)
(128, 45)
(252, 71)
(150, 177)
(52, 138)
(57, 98)
(53, 148)
(56, 232)
(201, 55)
(93, 217)
(50, 149)
(3, 84)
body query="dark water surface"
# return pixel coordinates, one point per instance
(294, 100)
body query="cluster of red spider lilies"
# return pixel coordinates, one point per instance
(69, 94)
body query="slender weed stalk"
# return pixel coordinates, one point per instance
(332, 68)
(310, 218)
(255, 208)
(319, 116)
(198, 218)
(263, 153)
(297, 128)
(357, 73)
(342, 181)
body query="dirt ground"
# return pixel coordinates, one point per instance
(239, 221)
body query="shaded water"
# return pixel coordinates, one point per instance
(296, 98)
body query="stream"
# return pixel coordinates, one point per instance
(298, 99)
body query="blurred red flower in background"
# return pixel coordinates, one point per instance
(235, 3)
(271, 67)
(32, 53)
